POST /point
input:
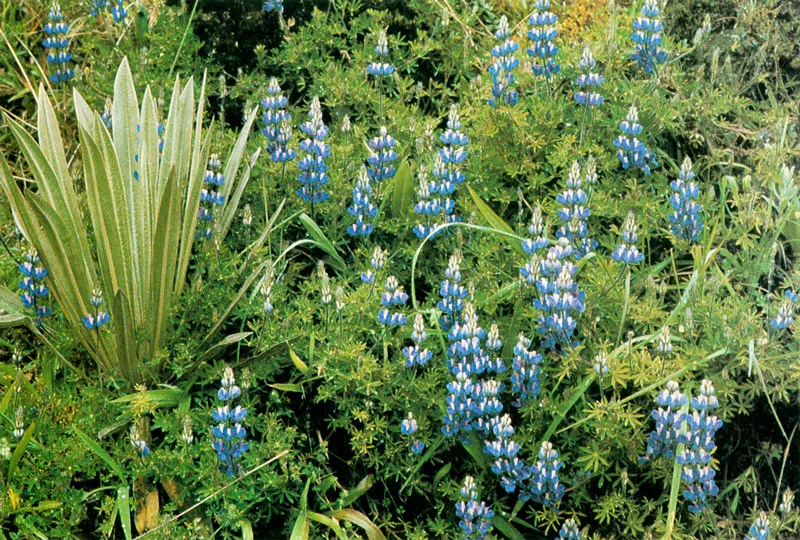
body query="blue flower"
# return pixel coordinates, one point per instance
(502, 70)
(376, 263)
(699, 443)
(525, 379)
(392, 298)
(277, 120)
(138, 442)
(313, 170)
(588, 80)
(476, 517)
(627, 251)
(229, 434)
(630, 150)
(669, 417)
(362, 208)
(685, 218)
(447, 165)
(408, 426)
(381, 157)
(97, 7)
(647, 38)
(417, 447)
(56, 44)
(574, 214)
(381, 68)
(785, 316)
(273, 5)
(760, 529)
(429, 205)
(93, 321)
(559, 298)
(210, 197)
(415, 354)
(118, 12)
(569, 531)
(452, 293)
(33, 290)
(538, 236)
(543, 484)
(106, 117)
(542, 33)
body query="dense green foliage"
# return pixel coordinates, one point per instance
(325, 385)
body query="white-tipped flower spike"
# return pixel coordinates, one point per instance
(591, 172)
(627, 251)
(187, 435)
(19, 423)
(346, 127)
(787, 502)
(601, 364)
(409, 425)
(339, 296)
(632, 152)
(502, 70)
(588, 81)
(267, 285)
(247, 215)
(665, 342)
(381, 68)
(325, 284)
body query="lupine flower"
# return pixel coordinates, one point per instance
(588, 80)
(538, 236)
(229, 433)
(392, 298)
(452, 293)
(685, 217)
(118, 12)
(138, 442)
(476, 517)
(787, 502)
(377, 261)
(627, 251)
(19, 423)
(447, 164)
(429, 204)
(210, 197)
(574, 214)
(187, 434)
(34, 293)
(106, 117)
(273, 5)
(665, 342)
(760, 529)
(601, 364)
(97, 7)
(409, 425)
(16, 356)
(277, 120)
(647, 38)
(381, 157)
(381, 68)
(505, 63)
(510, 468)
(266, 287)
(459, 413)
(543, 485)
(324, 284)
(417, 447)
(630, 150)
(415, 354)
(362, 209)
(699, 443)
(93, 321)
(559, 297)
(313, 170)
(525, 380)
(591, 173)
(338, 296)
(542, 33)
(56, 44)
(346, 124)
(669, 417)
(569, 531)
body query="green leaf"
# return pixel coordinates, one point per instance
(505, 527)
(299, 364)
(441, 474)
(358, 491)
(19, 451)
(329, 522)
(124, 332)
(124, 509)
(287, 387)
(162, 398)
(98, 450)
(247, 531)
(231, 169)
(225, 342)
(324, 243)
(300, 530)
(493, 220)
(403, 193)
(357, 518)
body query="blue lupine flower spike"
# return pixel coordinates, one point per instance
(627, 251)
(393, 298)
(56, 44)
(452, 293)
(502, 70)
(785, 316)
(588, 81)
(118, 11)
(632, 152)
(569, 531)
(542, 34)
(699, 444)
(229, 434)
(376, 263)
(273, 5)
(669, 417)
(447, 164)
(429, 204)
(381, 68)
(34, 293)
(381, 157)
(646, 37)
(277, 120)
(313, 170)
(211, 197)
(97, 7)
(476, 517)
(362, 208)
(760, 529)
(685, 217)
(93, 321)
(574, 214)
(415, 354)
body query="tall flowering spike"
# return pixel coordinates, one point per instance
(511, 469)
(542, 33)
(627, 251)
(502, 70)
(669, 417)
(537, 239)
(277, 120)
(56, 44)
(559, 298)
(428, 206)
(476, 517)
(313, 170)
(647, 38)
(19, 423)
(266, 287)
(544, 485)
(362, 209)
(137, 441)
(381, 68)
(376, 263)
(118, 11)
(588, 81)
(34, 293)
(229, 434)
(96, 319)
(452, 292)
(569, 531)
(211, 197)
(525, 380)
(382, 156)
(699, 443)
(393, 298)
(574, 214)
(447, 164)
(415, 354)
(632, 152)
(97, 7)
(785, 316)
(760, 529)
(107, 112)
(273, 5)
(685, 217)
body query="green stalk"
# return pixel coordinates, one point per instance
(183, 38)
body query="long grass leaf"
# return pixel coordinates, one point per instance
(98, 450)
